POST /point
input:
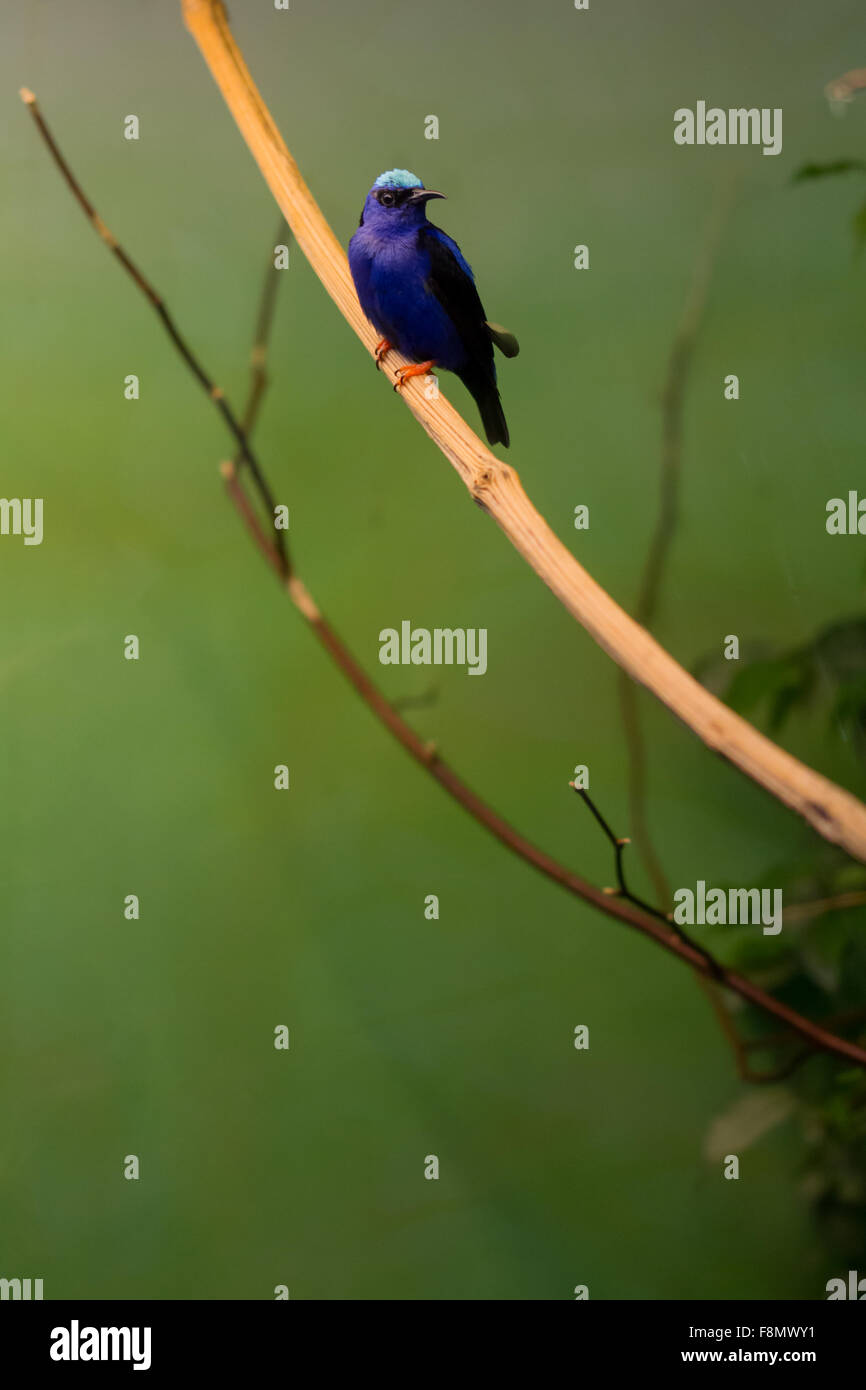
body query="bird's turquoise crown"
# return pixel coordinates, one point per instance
(398, 178)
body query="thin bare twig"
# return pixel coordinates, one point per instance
(619, 845)
(805, 911)
(424, 753)
(769, 1042)
(264, 320)
(214, 392)
(712, 982)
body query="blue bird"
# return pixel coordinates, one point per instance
(419, 293)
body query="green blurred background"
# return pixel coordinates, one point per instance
(258, 908)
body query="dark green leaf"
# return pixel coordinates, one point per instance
(834, 166)
(783, 682)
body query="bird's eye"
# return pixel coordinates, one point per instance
(387, 199)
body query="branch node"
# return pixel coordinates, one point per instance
(111, 240)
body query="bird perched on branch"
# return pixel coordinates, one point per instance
(419, 293)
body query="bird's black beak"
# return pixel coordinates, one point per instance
(422, 195)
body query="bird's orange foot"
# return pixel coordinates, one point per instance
(382, 347)
(416, 369)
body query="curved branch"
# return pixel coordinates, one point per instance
(835, 813)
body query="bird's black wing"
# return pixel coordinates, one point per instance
(451, 282)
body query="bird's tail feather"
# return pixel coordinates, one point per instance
(490, 406)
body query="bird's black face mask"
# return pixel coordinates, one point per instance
(405, 197)
(404, 203)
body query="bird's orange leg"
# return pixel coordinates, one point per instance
(382, 348)
(416, 369)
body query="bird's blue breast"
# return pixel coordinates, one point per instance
(391, 276)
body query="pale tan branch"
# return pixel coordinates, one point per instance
(833, 812)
